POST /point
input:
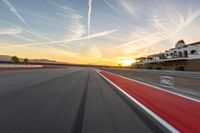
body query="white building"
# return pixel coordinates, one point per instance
(181, 51)
(182, 57)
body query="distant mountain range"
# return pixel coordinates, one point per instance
(7, 58)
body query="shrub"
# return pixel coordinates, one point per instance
(26, 61)
(161, 64)
(15, 59)
(180, 68)
(158, 68)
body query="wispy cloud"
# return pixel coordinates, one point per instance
(92, 54)
(111, 5)
(43, 52)
(64, 41)
(165, 23)
(14, 10)
(140, 39)
(128, 6)
(173, 21)
(23, 38)
(121, 5)
(72, 20)
(17, 35)
(14, 31)
(10, 31)
(89, 16)
(184, 22)
(31, 31)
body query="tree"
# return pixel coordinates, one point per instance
(26, 61)
(15, 59)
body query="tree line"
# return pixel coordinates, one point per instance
(15, 59)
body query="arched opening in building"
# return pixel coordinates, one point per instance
(193, 52)
(175, 54)
(185, 53)
(180, 54)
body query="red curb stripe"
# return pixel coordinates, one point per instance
(180, 112)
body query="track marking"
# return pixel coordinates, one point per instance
(155, 116)
(78, 124)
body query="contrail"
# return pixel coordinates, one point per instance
(24, 38)
(134, 41)
(17, 36)
(89, 16)
(78, 39)
(111, 6)
(13, 9)
(25, 30)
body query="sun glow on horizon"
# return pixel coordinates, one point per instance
(128, 62)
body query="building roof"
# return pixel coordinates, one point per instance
(140, 58)
(195, 43)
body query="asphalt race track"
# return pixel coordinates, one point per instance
(70, 100)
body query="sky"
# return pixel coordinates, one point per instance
(103, 32)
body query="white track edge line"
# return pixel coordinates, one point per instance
(190, 98)
(155, 116)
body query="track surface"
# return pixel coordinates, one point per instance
(72, 100)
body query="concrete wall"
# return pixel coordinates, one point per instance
(19, 66)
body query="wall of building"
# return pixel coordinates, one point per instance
(193, 65)
(189, 65)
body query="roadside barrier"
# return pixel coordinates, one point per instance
(19, 66)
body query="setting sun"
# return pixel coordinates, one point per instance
(128, 62)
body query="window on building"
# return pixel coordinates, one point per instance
(185, 53)
(180, 54)
(193, 52)
(175, 54)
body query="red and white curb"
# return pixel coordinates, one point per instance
(155, 116)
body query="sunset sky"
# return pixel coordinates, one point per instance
(108, 32)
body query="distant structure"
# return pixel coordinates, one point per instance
(182, 57)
